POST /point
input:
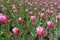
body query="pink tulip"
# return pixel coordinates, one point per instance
(51, 12)
(30, 4)
(8, 2)
(51, 8)
(40, 31)
(55, 3)
(3, 7)
(3, 18)
(42, 15)
(20, 19)
(50, 24)
(26, 10)
(43, 9)
(20, 4)
(39, 14)
(58, 7)
(13, 7)
(33, 18)
(15, 30)
(48, 11)
(40, 4)
(58, 17)
(15, 11)
(30, 13)
(36, 3)
(36, 9)
(46, 6)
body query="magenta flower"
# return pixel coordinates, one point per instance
(15, 30)
(50, 24)
(20, 19)
(33, 18)
(3, 18)
(42, 15)
(40, 31)
(58, 17)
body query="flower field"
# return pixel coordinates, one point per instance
(29, 20)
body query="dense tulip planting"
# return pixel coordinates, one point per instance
(29, 20)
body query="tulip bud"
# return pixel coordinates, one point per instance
(58, 7)
(39, 14)
(30, 13)
(42, 15)
(15, 30)
(30, 4)
(26, 10)
(3, 7)
(58, 17)
(40, 4)
(33, 18)
(8, 2)
(13, 7)
(20, 19)
(47, 11)
(35, 9)
(15, 11)
(43, 9)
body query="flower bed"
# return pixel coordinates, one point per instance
(25, 20)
